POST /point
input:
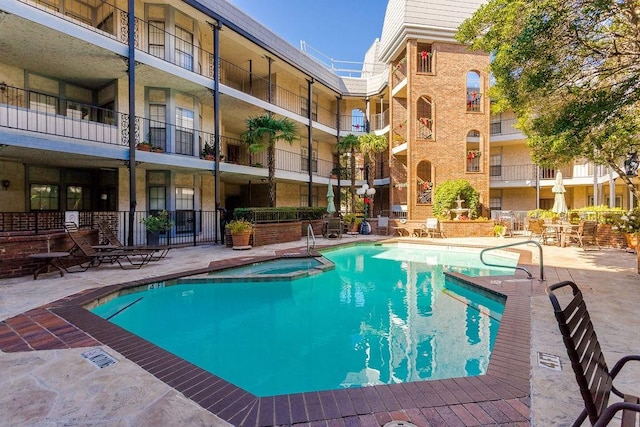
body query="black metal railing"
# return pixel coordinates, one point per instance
(190, 227)
(36, 112)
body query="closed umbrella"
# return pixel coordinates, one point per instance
(331, 207)
(559, 203)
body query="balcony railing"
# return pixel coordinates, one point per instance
(380, 121)
(35, 112)
(474, 98)
(185, 53)
(504, 127)
(513, 172)
(399, 71)
(353, 123)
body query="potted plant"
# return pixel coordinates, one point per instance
(207, 152)
(144, 146)
(629, 224)
(240, 230)
(352, 221)
(156, 224)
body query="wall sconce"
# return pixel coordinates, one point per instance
(5, 184)
(3, 86)
(103, 196)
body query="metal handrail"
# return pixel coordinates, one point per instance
(516, 267)
(313, 238)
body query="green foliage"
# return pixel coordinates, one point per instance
(498, 230)
(569, 72)
(239, 226)
(352, 220)
(161, 222)
(283, 214)
(448, 191)
(629, 222)
(262, 134)
(207, 150)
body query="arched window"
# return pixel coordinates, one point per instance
(424, 118)
(424, 181)
(474, 95)
(473, 152)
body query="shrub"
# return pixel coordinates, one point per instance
(448, 191)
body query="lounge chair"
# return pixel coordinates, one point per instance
(334, 228)
(86, 256)
(594, 377)
(431, 228)
(159, 251)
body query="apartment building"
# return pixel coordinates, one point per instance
(81, 130)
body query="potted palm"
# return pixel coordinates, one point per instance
(208, 153)
(155, 225)
(240, 230)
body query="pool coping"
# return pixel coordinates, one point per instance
(502, 394)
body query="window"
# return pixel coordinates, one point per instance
(233, 153)
(156, 39)
(304, 152)
(425, 184)
(78, 198)
(184, 48)
(424, 118)
(43, 103)
(473, 152)
(495, 165)
(495, 203)
(618, 201)
(184, 209)
(44, 197)
(184, 131)
(425, 58)
(474, 96)
(496, 124)
(157, 198)
(158, 125)
(304, 196)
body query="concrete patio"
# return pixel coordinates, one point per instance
(59, 387)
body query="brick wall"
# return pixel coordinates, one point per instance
(268, 234)
(15, 250)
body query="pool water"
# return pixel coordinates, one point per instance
(384, 315)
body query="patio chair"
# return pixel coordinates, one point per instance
(86, 256)
(334, 228)
(538, 228)
(586, 234)
(587, 360)
(383, 225)
(431, 228)
(159, 251)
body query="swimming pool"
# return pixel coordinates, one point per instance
(387, 328)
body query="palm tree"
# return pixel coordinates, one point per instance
(350, 144)
(370, 145)
(262, 133)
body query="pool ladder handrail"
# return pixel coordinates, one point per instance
(310, 236)
(541, 266)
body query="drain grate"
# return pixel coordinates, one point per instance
(399, 424)
(99, 358)
(550, 361)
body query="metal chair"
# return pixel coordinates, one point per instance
(383, 225)
(431, 228)
(587, 360)
(334, 228)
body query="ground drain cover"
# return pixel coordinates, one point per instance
(550, 361)
(99, 358)
(399, 424)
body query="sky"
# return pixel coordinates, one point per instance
(339, 29)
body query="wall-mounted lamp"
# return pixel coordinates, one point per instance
(103, 196)
(5, 184)
(3, 86)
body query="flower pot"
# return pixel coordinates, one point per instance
(153, 238)
(144, 147)
(632, 240)
(241, 240)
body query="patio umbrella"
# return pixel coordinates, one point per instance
(331, 207)
(559, 204)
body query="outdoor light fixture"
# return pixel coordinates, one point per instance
(631, 164)
(5, 184)
(367, 193)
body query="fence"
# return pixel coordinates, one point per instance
(190, 227)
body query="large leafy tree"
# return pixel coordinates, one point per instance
(570, 70)
(350, 144)
(262, 134)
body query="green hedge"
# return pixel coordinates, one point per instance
(266, 215)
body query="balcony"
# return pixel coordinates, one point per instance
(505, 127)
(179, 50)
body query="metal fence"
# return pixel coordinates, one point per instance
(190, 227)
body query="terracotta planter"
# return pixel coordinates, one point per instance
(632, 240)
(241, 240)
(143, 147)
